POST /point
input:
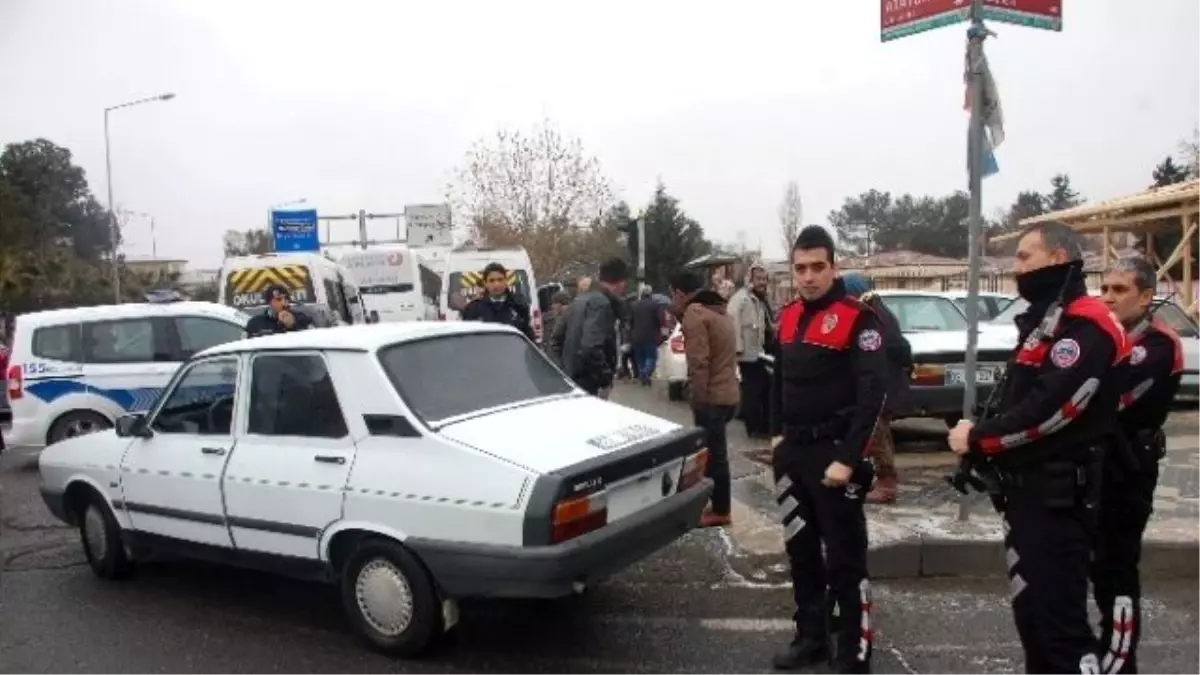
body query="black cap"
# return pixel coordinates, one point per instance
(276, 291)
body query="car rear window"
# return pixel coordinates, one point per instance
(455, 375)
(925, 313)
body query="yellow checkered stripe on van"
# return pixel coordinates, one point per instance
(470, 279)
(256, 280)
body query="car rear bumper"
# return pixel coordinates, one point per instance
(938, 400)
(24, 435)
(479, 570)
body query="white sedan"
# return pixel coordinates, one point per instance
(412, 464)
(1170, 313)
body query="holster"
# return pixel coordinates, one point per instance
(1150, 444)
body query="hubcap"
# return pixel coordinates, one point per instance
(384, 597)
(81, 427)
(93, 531)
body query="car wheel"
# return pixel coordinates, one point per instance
(101, 539)
(77, 423)
(391, 599)
(675, 391)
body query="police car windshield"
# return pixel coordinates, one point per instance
(449, 376)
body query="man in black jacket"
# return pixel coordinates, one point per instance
(498, 303)
(645, 334)
(900, 363)
(585, 337)
(278, 317)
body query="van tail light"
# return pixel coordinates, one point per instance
(576, 516)
(537, 323)
(693, 470)
(16, 383)
(677, 344)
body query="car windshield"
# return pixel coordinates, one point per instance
(925, 312)
(1010, 312)
(448, 376)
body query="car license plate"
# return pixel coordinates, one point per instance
(984, 374)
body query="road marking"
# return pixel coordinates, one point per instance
(744, 625)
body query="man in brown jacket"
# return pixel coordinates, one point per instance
(710, 346)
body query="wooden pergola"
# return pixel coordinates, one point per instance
(1147, 213)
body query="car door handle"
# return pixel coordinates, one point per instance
(213, 451)
(330, 459)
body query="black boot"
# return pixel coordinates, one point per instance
(802, 653)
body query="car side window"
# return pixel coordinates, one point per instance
(1174, 317)
(293, 395)
(59, 343)
(124, 341)
(199, 333)
(202, 401)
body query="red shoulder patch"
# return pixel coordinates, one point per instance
(789, 321)
(1176, 344)
(831, 327)
(1094, 310)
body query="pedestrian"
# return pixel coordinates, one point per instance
(278, 317)
(499, 304)
(585, 339)
(710, 348)
(583, 285)
(646, 334)
(1148, 382)
(900, 365)
(558, 307)
(752, 322)
(827, 394)
(1054, 418)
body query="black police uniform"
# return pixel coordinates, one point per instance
(827, 393)
(1055, 420)
(1148, 378)
(508, 310)
(268, 323)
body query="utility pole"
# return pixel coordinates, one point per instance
(641, 241)
(975, 149)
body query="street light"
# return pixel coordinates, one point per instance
(271, 221)
(112, 216)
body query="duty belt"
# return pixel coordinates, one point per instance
(826, 431)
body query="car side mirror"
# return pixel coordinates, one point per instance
(133, 425)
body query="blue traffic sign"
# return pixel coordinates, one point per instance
(295, 230)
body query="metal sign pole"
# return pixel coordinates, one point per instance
(975, 151)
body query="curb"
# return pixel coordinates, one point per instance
(900, 551)
(925, 556)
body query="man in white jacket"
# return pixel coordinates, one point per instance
(751, 319)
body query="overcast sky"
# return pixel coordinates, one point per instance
(372, 104)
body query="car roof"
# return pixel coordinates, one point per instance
(982, 294)
(916, 293)
(132, 310)
(358, 337)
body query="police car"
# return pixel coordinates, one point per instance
(75, 371)
(391, 459)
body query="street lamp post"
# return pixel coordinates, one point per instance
(270, 217)
(113, 234)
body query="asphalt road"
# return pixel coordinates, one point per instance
(685, 610)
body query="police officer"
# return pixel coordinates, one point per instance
(1148, 380)
(1055, 418)
(827, 393)
(278, 317)
(499, 304)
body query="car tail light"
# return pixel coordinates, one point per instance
(16, 383)
(677, 344)
(693, 470)
(927, 374)
(577, 516)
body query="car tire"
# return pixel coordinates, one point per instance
(675, 391)
(76, 423)
(380, 575)
(100, 536)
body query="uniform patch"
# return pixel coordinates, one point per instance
(1137, 355)
(1064, 353)
(829, 323)
(870, 340)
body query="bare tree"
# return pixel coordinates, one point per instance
(1189, 151)
(791, 214)
(246, 242)
(538, 189)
